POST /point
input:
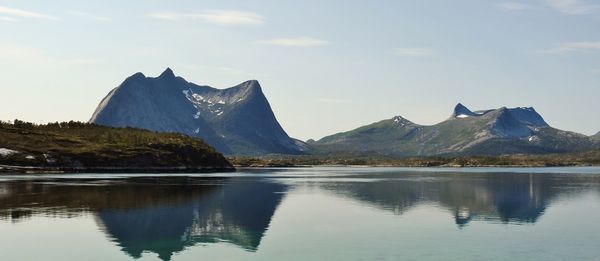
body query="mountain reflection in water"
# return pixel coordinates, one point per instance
(499, 197)
(161, 215)
(165, 215)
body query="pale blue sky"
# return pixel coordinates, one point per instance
(325, 66)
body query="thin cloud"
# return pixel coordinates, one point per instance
(414, 52)
(513, 6)
(574, 7)
(8, 19)
(571, 47)
(89, 16)
(12, 12)
(218, 17)
(296, 42)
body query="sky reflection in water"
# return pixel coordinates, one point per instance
(325, 213)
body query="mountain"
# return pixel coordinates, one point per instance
(487, 132)
(596, 137)
(236, 120)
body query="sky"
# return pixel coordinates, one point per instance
(325, 66)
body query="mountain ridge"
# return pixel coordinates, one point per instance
(488, 132)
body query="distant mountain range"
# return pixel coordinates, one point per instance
(466, 132)
(239, 121)
(236, 120)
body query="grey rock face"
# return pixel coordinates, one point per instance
(236, 120)
(487, 132)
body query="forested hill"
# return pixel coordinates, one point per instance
(76, 146)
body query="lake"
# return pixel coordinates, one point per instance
(305, 214)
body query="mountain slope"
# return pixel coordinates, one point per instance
(488, 132)
(237, 120)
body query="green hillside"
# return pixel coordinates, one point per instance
(75, 146)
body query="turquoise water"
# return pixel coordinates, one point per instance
(305, 214)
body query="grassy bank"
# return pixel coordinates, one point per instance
(74, 146)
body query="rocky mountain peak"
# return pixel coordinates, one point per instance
(167, 74)
(461, 111)
(251, 85)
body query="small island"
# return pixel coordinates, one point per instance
(85, 147)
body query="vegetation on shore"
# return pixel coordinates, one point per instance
(76, 146)
(591, 158)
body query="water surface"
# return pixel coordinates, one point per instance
(305, 214)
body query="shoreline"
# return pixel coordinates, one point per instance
(8, 169)
(412, 166)
(583, 159)
(68, 170)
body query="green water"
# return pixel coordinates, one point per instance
(305, 214)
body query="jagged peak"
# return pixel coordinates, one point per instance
(134, 78)
(167, 74)
(251, 84)
(461, 111)
(138, 75)
(250, 87)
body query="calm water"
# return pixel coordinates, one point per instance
(305, 214)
